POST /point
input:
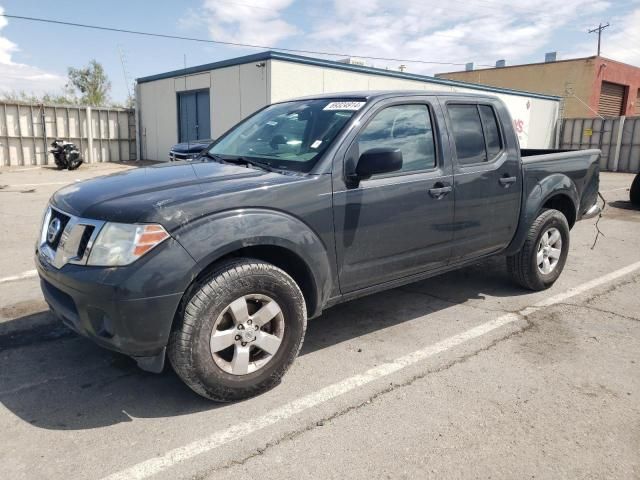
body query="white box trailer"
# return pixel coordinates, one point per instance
(204, 101)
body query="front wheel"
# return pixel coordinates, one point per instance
(541, 259)
(241, 329)
(73, 164)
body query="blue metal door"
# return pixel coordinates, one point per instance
(194, 122)
(203, 127)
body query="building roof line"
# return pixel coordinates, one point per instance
(566, 60)
(271, 55)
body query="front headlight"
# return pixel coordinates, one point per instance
(121, 243)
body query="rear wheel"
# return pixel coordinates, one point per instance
(74, 161)
(540, 261)
(634, 194)
(241, 329)
(74, 164)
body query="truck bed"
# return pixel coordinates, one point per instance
(580, 166)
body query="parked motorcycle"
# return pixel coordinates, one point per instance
(66, 154)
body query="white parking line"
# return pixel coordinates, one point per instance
(20, 276)
(615, 190)
(173, 457)
(17, 185)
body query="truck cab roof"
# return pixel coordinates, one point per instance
(384, 94)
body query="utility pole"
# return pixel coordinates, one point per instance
(599, 30)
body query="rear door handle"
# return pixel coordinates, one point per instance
(439, 190)
(507, 181)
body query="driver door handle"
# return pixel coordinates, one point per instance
(506, 181)
(440, 190)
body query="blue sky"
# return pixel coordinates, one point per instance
(35, 56)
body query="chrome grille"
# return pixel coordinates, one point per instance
(177, 156)
(74, 241)
(63, 220)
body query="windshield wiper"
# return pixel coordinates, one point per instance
(236, 161)
(247, 162)
(212, 156)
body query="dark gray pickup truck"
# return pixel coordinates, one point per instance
(219, 262)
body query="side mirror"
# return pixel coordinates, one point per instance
(378, 160)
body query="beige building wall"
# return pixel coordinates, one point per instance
(538, 116)
(560, 78)
(234, 92)
(238, 91)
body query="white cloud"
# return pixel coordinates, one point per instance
(259, 24)
(623, 43)
(19, 76)
(479, 31)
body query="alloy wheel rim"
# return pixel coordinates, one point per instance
(247, 334)
(549, 251)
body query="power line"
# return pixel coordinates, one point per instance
(220, 42)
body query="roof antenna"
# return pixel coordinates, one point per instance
(125, 73)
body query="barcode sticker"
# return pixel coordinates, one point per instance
(344, 106)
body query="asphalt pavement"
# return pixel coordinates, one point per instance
(460, 376)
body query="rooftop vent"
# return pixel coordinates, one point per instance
(353, 61)
(550, 57)
(501, 63)
(468, 67)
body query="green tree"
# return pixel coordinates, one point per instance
(62, 98)
(91, 82)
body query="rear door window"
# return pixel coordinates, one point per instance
(491, 131)
(467, 133)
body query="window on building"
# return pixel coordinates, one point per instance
(638, 103)
(407, 128)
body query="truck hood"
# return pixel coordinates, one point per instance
(163, 193)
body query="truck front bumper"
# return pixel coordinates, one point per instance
(125, 309)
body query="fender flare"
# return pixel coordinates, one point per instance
(543, 191)
(210, 238)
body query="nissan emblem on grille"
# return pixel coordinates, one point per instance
(53, 230)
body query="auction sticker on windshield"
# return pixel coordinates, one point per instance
(344, 106)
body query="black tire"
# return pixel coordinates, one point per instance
(73, 164)
(634, 193)
(523, 266)
(189, 349)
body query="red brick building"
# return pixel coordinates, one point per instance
(591, 86)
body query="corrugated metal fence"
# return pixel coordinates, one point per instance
(617, 137)
(102, 134)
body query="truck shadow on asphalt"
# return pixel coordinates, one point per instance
(53, 379)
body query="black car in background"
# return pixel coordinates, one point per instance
(634, 193)
(188, 150)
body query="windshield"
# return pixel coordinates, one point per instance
(290, 135)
